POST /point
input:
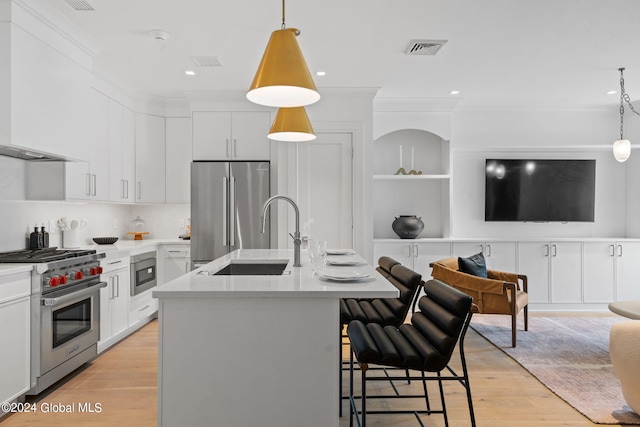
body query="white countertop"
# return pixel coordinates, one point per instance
(119, 249)
(299, 283)
(8, 269)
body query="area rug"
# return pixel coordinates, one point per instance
(570, 356)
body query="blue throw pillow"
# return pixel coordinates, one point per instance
(474, 265)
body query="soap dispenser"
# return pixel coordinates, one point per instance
(35, 238)
(45, 237)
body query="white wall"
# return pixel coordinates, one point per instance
(343, 111)
(560, 134)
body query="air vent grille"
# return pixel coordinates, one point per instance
(205, 61)
(80, 4)
(424, 47)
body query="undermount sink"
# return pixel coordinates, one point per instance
(254, 267)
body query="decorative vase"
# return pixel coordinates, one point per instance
(407, 226)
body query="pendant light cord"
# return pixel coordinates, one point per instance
(284, 27)
(623, 97)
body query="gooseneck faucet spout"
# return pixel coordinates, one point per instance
(296, 235)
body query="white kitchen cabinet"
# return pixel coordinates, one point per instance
(553, 269)
(237, 135)
(45, 96)
(15, 329)
(424, 253)
(413, 254)
(142, 307)
(177, 261)
(498, 255)
(122, 152)
(401, 252)
(114, 301)
(627, 271)
(566, 272)
(90, 180)
(599, 271)
(78, 180)
(150, 158)
(533, 261)
(179, 155)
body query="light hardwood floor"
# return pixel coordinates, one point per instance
(124, 381)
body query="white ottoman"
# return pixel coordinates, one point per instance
(624, 348)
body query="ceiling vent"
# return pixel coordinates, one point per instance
(424, 47)
(79, 4)
(205, 61)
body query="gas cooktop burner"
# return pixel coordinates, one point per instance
(42, 255)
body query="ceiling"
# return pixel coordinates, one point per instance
(522, 53)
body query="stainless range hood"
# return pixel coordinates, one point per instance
(29, 155)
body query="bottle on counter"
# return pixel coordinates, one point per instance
(45, 237)
(35, 239)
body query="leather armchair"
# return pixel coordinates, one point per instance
(500, 293)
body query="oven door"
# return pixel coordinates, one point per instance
(70, 323)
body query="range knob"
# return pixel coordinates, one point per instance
(93, 271)
(99, 269)
(78, 275)
(54, 281)
(63, 280)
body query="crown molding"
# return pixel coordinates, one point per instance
(414, 105)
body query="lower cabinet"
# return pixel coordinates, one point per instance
(498, 255)
(177, 261)
(15, 330)
(414, 255)
(114, 302)
(627, 271)
(560, 273)
(553, 269)
(141, 308)
(599, 272)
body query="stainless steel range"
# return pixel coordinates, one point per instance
(65, 310)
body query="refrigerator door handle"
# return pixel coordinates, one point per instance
(225, 185)
(232, 211)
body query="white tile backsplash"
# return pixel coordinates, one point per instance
(18, 216)
(17, 219)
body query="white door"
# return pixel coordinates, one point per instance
(325, 188)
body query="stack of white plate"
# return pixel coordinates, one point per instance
(343, 276)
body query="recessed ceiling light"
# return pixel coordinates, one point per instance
(159, 35)
(190, 72)
(320, 73)
(611, 92)
(454, 92)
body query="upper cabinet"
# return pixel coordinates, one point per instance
(179, 156)
(44, 95)
(122, 153)
(238, 135)
(411, 177)
(150, 158)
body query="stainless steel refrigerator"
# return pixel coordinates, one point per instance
(226, 204)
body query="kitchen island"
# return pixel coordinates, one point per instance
(254, 350)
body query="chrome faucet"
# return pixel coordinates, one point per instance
(296, 235)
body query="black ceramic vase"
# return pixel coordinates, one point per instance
(407, 226)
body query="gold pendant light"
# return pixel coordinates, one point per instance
(292, 125)
(283, 78)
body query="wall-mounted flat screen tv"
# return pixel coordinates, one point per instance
(540, 190)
